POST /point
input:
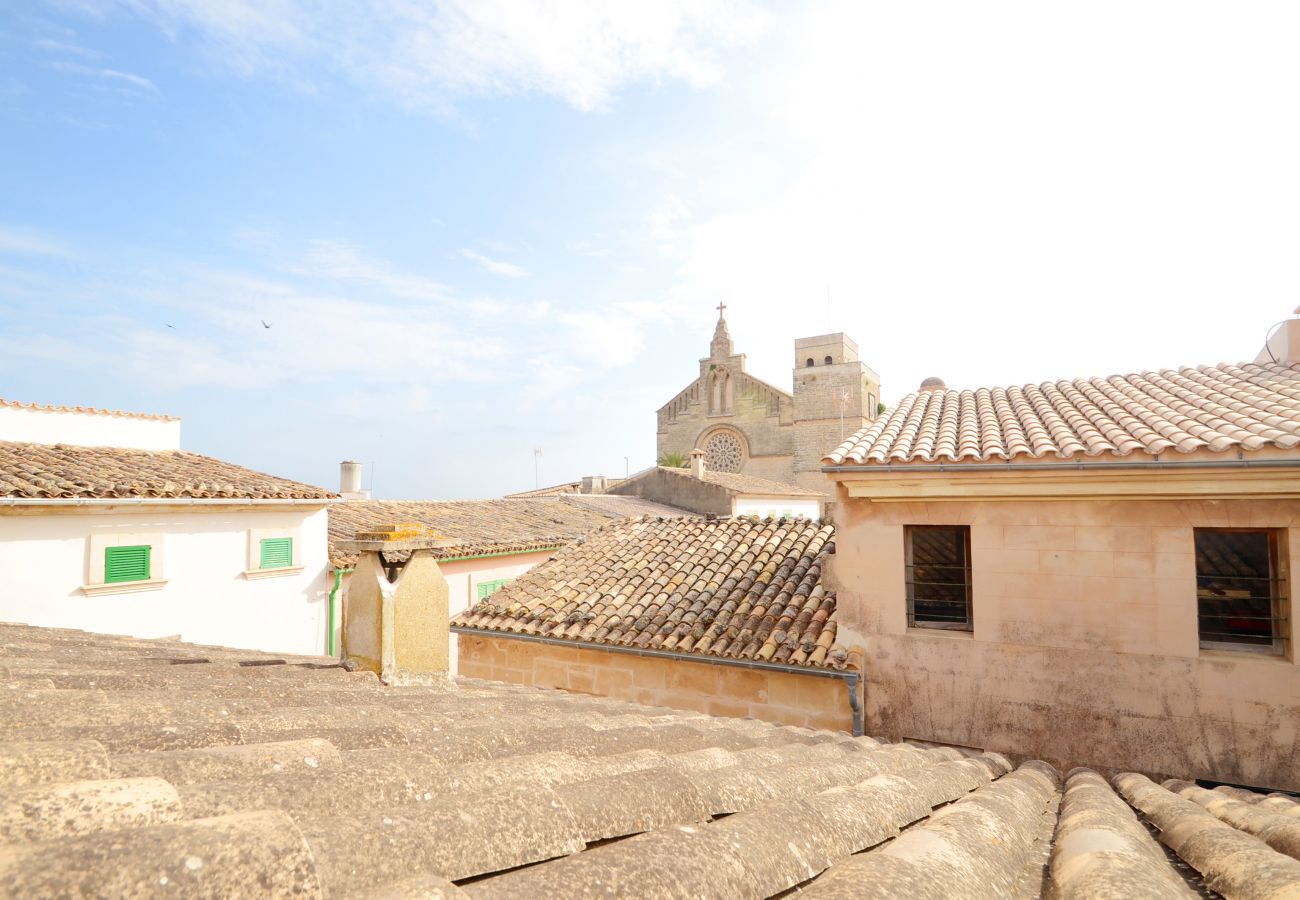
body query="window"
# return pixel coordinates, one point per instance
(938, 576)
(828, 360)
(277, 553)
(809, 364)
(123, 564)
(488, 588)
(273, 553)
(1241, 589)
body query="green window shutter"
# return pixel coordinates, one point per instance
(277, 553)
(488, 588)
(126, 564)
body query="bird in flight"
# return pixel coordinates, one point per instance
(169, 324)
(264, 323)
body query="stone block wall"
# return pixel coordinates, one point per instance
(1085, 648)
(791, 699)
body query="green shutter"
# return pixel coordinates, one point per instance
(488, 588)
(277, 553)
(126, 564)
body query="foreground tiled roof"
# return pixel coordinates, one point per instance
(85, 410)
(59, 471)
(486, 526)
(1224, 408)
(148, 768)
(734, 588)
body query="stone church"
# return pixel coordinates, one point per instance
(746, 425)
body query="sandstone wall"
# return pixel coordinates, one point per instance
(790, 699)
(1085, 648)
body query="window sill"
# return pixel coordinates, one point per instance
(950, 633)
(1238, 655)
(123, 587)
(257, 574)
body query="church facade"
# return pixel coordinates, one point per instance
(745, 425)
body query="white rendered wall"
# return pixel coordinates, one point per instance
(54, 426)
(207, 599)
(808, 507)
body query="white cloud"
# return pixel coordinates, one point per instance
(22, 242)
(126, 82)
(495, 266)
(344, 261)
(1004, 192)
(431, 54)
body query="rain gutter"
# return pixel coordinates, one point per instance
(329, 612)
(850, 677)
(163, 501)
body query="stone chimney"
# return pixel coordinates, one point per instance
(594, 484)
(395, 622)
(697, 463)
(350, 481)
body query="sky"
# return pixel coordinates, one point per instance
(435, 237)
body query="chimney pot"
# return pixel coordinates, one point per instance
(350, 481)
(697, 463)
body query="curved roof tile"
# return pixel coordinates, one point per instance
(1227, 407)
(743, 588)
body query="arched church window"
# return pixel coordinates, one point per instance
(828, 360)
(810, 363)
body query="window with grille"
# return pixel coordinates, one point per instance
(1241, 589)
(123, 564)
(277, 553)
(938, 577)
(488, 588)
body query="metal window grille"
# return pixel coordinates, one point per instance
(277, 553)
(1241, 593)
(126, 564)
(938, 577)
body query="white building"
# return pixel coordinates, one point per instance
(106, 525)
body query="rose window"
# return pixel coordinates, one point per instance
(724, 453)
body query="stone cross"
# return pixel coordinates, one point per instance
(721, 307)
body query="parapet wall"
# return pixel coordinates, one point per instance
(787, 698)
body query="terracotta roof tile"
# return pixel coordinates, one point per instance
(88, 410)
(59, 471)
(735, 588)
(321, 782)
(1219, 408)
(480, 527)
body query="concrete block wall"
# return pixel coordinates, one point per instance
(791, 699)
(1085, 649)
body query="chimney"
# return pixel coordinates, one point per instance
(1282, 344)
(697, 463)
(350, 481)
(594, 484)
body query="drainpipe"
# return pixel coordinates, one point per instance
(329, 614)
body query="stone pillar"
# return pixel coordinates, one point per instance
(697, 463)
(397, 628)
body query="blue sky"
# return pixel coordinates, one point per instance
(480, 228)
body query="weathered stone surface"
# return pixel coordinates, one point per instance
(39, 762)
(479, 833)
(221, 763)
(1102, 850)
(72, 808)
(258, 854)
(1230, 861)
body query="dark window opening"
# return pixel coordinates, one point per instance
(810, 363)
(828, 360)
(938, 574)
(1240, 589)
